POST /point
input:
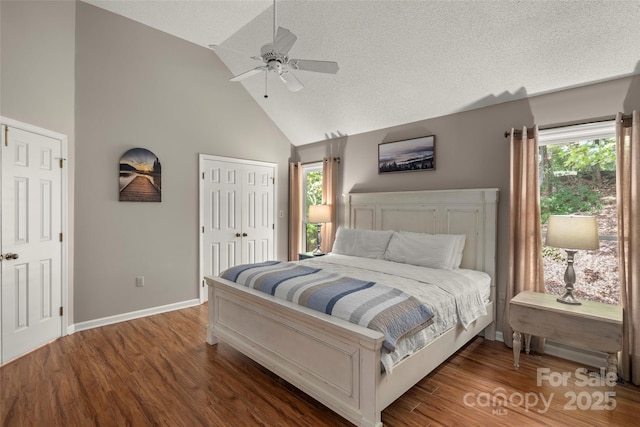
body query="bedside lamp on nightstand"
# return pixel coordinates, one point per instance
(571, 232)
(319, 214)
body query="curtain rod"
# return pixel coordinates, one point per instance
(337, 159)
(606, 119)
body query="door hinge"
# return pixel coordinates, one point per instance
(61, 162)
(273, 226)
(61, 237)
(273, 180)
(61, 311)
(202, 175)
(203, 283)
(203, 229)
(6, 135)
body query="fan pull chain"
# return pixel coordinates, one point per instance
(266, 74)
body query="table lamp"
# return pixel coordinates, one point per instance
(571, 232)
(319, 214)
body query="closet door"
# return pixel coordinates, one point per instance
(257, 214)
(237, 214)
(222, 228)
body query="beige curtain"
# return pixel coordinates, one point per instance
(628, 204)
(295, 210)
(525, 238)
(329, 197)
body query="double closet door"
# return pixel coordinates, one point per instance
(237, 213)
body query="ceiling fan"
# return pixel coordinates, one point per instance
(275, 57)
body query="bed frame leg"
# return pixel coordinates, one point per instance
(490, 332)
(211, 336)
(369, 400)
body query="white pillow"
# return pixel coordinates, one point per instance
(362, 243)
(458, 249)
(442, 251)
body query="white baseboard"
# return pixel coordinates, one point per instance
(96, 323)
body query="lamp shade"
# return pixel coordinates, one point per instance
(572, 232)
(319, 214)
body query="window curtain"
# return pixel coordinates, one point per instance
(525, 238)
(628, 205)
(329, 197)
(295, 210)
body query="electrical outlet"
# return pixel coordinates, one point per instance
(140, 281)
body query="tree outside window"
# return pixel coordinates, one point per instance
(313, 196)
(579, 177)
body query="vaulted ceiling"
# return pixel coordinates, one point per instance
(404, 61)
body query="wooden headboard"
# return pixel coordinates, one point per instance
(472, 212)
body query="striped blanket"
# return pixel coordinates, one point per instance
(382, 308)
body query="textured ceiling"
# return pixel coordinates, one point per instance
(404, 61)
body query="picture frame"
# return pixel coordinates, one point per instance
(407, 155)
(140, 177)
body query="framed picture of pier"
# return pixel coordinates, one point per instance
(417, 154)
(140, 176)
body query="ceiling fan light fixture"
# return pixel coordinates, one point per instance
(275, 67)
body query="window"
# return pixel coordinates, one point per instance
(577, 167)
(312, 189)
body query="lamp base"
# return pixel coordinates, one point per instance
(568, 298)
(569, 280)
(318, 251)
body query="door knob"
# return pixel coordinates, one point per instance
(11, 256)
(237, 234)
(244, 234)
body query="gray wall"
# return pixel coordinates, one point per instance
(139, 87)
(471, 150)
(37, 79)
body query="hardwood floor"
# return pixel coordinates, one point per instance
(160, 371)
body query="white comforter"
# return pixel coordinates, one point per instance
(453, 295)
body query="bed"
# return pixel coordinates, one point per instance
(339, 363)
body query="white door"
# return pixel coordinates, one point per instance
(257, 214)
(222, 228)
(31, 241)
(237, 214)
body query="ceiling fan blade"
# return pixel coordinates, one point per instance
(247, 74)
(316, 66)
(284, 41)
(291, 81)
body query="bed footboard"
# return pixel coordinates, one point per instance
(329, 359)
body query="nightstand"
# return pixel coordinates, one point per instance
(591, 325)
(305, 255)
